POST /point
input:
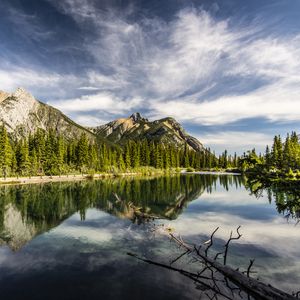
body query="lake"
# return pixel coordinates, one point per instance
(70, 240)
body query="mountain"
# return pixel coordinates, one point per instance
(22, 114)
(136, 127)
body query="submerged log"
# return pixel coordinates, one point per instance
(255, 288)
(243, 282)
(252, 286)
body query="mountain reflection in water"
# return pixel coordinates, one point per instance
(28, 210)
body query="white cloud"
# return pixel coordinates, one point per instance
(88, 120)
(196, 44)
(105, 82)
(233, 140)
(275, 235)
(102, 101)
(41, 83)
(276, 58)
(89, 88)
(13, 77)
(275, 102)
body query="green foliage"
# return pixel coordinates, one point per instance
(177, 170)
(282, 161)
(49, 153)
(6, 153)
(190, 169)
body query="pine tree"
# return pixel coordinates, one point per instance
(136, 155)
(158, 158)
(93, 157)
(186, 157)
(60, 153)
(268, 158)
(127, 156)
(22, 157)
(5, 152)
(82, 152)
(33, 162)
(121, 163)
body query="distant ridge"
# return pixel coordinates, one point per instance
(136, 127)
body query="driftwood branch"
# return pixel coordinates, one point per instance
(249, 267)
(220, 278)
(231, 238)
(210, 241)
(194, 276)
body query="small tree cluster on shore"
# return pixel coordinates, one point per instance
(281, 158)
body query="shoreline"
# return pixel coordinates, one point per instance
(57, 178)
(212, 173)
(78, 177)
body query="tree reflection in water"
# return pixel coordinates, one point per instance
(27, 210)
(285, 194)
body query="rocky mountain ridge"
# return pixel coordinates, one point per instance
(136, 127)
(22, 114)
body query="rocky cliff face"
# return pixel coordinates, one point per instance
(166, 130)
(22, 114)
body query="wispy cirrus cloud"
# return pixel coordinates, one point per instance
(235, 141)
(275, 102)
(102, 101)
(43, 82)
(170, 65)
(28, 25)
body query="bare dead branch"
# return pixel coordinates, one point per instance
(211, 241)
(195, 277)
(231, 238)
(217, 255)
(180, 256)
(250, 266)
(218, 277)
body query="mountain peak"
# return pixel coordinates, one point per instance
(166, 131)
(22, 115)
(22, 93)
(136, 117)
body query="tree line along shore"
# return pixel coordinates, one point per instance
(47, 153)
(50, 154)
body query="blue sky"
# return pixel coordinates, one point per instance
(228, 70)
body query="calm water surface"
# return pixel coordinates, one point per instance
(69, 240)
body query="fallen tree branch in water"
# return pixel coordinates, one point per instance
(194, 276)
(231, 238)
(221, 279)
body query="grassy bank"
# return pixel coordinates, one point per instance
(145, 171)
(142, 171)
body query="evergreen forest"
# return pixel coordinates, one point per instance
(47, 153)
